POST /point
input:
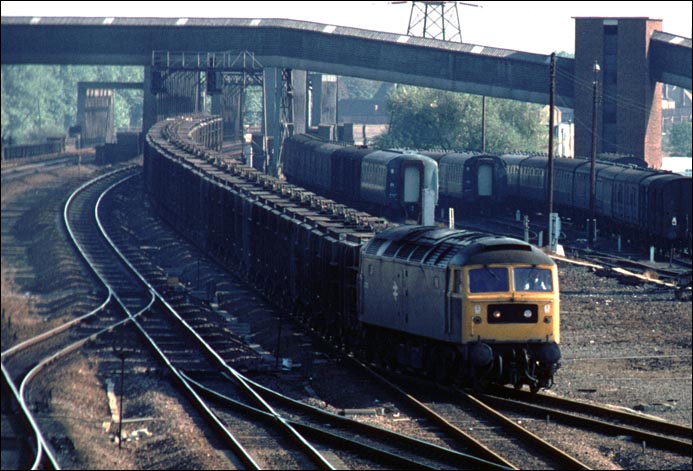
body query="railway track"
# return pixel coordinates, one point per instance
(125, 290)
(471, 426)
(187, 302)
(474, 452)
(521, 427)
(357, 443)
(37, 353)
(647, 430)
(257, 364)
(19, 169)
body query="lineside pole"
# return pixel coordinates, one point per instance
(552, 90)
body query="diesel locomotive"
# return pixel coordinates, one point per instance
(461, 304)
(458, 306)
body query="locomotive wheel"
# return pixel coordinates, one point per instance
(480, 384)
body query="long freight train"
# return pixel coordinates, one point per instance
(457, 305)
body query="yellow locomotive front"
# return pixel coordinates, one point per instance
(510, 318)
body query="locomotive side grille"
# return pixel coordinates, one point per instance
(419, 253)
(435, 254)
(374, 246)
(406, 251)
(512, 314)
(392, 249)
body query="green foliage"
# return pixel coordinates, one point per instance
(252, 106)
(422, 118)
(357, 88)
(678, 140)
(41, 100)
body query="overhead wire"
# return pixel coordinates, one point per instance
(584, 85)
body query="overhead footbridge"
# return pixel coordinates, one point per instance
(291, 44)
(670, 59)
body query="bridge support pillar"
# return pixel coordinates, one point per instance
(148, 101)
(300, 100)
(323, 106)
(272, 77)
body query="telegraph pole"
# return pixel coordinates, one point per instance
(552, 90)
(591, 227)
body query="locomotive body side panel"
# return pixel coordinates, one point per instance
(404, 297)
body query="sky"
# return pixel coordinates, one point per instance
(538, 27)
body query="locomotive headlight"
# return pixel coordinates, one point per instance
(547, 308)
(547, 319)
(477, 319)
(477, 309)
(527, 313)
(497, 314)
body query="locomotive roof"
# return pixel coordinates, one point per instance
(440, 247)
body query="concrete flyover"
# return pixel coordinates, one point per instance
(670, 59)
(290, 44)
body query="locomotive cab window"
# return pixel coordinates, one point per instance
(532, 279)
(488, 280)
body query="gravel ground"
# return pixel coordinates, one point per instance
(626, 345)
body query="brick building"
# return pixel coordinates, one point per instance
(629, 115)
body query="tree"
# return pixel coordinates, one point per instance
(678, 140)
(422, 118)
(41, 100)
